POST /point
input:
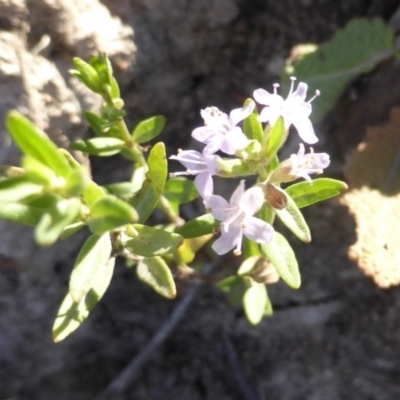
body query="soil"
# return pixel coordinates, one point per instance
(336, 338)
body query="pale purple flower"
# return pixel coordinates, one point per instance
(294, 110)
(237, 219)
(220, 131)
(305, 164)
(202, 166)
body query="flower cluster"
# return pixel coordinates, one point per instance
(222, 133)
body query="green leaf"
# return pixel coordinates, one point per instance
(13, 190)
(94, 254)
(55, 219)
(179, 191)
(100, 146)
(233, 286)
(71, 315)
(110, 213)
(355, 49)
(35, 143)
(282, 257)
(21, 213)
(203, 225)
(268, 311)
(188, 249)
(307, 193)
(148, 129)
(153, 187)
(292, 217)
(254, 301)
(155, 272)
(71, 229)
(152, 241)
(252, 127)
(95, 122)
(120, 189)
(275, 138)
(87, 74)
(248, 264)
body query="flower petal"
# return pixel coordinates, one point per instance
(258, 230)
(191, 159)
(204, 134)
(204, 184)
(213, 116)
(213, 145)
(219, 207)
(301, 91)
(239, 114)
(252, 200)
(237, 195)
(235, 140)
(268, 99)
(228, 240)
(306, 131)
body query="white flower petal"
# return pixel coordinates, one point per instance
(301, 91)
(191, 159)
(252, 200)
(268, 99)
(204, 134)
(235, 140)
(228, 240)
(213, 145)
(306, 131)
(219, 207)
(239, 114)
(236, 197)
(204, 184)
(258, 230)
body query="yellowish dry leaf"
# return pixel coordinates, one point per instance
(373, 173)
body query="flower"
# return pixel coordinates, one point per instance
(202, 166)
(300, 165)
(221, 132)
(305, 164)
(237, 219)
(294, 110)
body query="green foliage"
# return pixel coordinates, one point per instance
(71, 315)
(152, 241)
(282, 257)
(254, 302)
(93, 256)
(148, 129)
(13, 190)
(21, 213)
(179, 191)
(252, 127)
(101, 146)
(110, 213)
(307, 193)
(199, 226)
(147, 198)
(155, 272)
(275, 139)
(355, 49)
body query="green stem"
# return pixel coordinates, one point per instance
(166, 207)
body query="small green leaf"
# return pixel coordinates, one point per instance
(152, 241)
(187, 251)
(248, 265)
(153, 187)
(94, 254)
(35, 143)
(307, 193)
(292, 217)
(148, 129)
(71, 315)
(275, 138)
(21, 213)
(254, 301)
(155, 272)
(252, 127)
(179, 191)
(55, 219)
(87, 74)
(71, 229)
(203, 225)
(120, 189)
(282, 257)
(13, 190)
(100, 146)
(110, 213)
(268, 311)
(95, 122)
